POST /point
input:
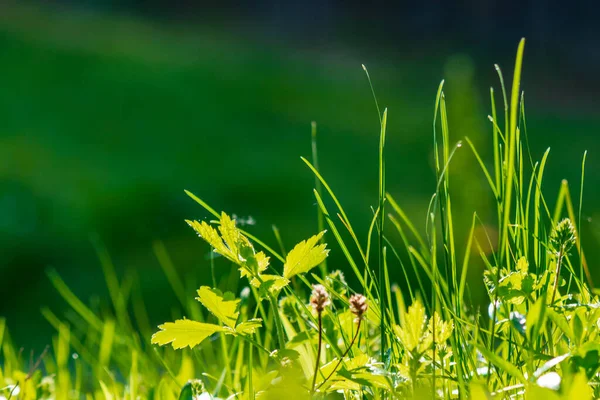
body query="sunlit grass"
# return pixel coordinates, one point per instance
(292, 327)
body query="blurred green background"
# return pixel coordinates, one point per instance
(108, 113)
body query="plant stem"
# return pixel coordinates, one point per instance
(558, 266)
(280, 334)
(343, 355)
(318, 354)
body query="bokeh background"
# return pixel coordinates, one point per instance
(110, 109)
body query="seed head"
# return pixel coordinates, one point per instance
(358, 306)
(319, 298)
(563, 236)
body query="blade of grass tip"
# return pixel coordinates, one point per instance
(166, 264)
(381, 219)
(372, 92)
(497, 166)
(203, 204)
(320, 220)
(511, 149)
(505, 101)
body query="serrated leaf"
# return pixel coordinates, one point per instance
(224, 307)
(211, 236)
(412, 334)
(273, 283)
(254, 263)
(305, 256)
(230, 234)
(248, 327)
(184, 333)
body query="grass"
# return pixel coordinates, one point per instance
(98, 132)
(292, 326)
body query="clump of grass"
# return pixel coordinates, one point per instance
(270, 341)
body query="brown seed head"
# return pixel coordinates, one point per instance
(319, 298)
(358, 305)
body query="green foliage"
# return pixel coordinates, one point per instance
(305, 256)
(225, 308)
(184, 333)
(268, 341)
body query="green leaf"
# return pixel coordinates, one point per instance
(229, 233)
(536, 318)
(211, 236)
(579, 389)
(272, 283)
(251, 264)
(305, 256)
(187, 392)
(561, 322)
(184, 332)
(413, 334)
(248, 327)
(535, 392)
(478, 391)
(224, 307)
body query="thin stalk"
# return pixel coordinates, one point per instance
(381, 219)
(319, 189)
(318, 354)
(556, 277)
(343, 355)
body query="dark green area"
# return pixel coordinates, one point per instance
(104, 121)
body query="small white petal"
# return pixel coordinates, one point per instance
(551, 380)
